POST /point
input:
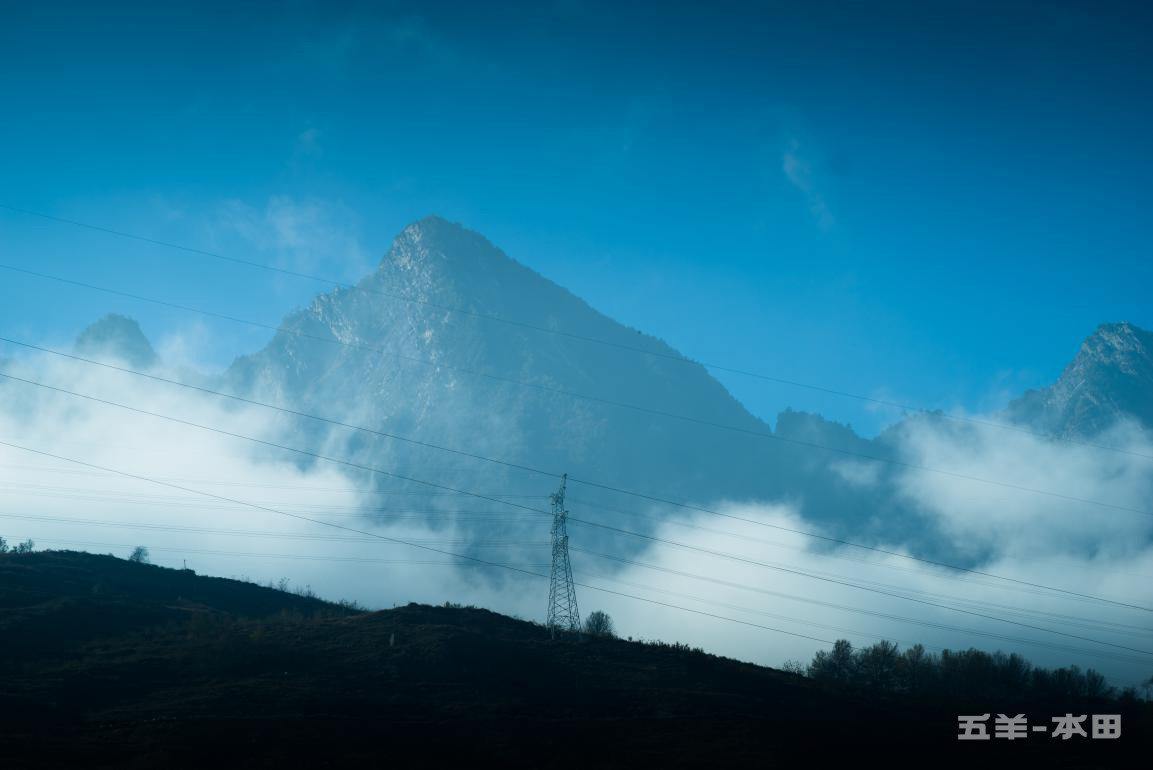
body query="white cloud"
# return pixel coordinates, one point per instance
(829, 609)
(1019, 524)
(60, 504)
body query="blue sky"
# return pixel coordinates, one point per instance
(929, 202)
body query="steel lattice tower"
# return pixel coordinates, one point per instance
(563, 614)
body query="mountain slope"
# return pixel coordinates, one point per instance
(419, 370)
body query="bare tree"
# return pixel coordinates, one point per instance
(140, 555)
(599, 624)
(795, 667)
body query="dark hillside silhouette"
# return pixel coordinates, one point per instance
(114, 663)
(53, 602)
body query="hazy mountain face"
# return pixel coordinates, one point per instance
(396, 358)
(408, 353)
(1110, 379)
(116, 336)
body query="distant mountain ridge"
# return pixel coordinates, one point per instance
(117, 336)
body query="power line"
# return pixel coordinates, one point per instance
(248, 533)
(247, 554)
(650, 538)
(746, 538)
(777, 616)
(371, 468)
(488, 543)
(1095, 625)
(572, 394)
(814, 576)
(423, 562)
(518, 466)
(469, 516)
(390, 514)
(282, 409)
(399, 541)
(311, 454)
(483, 561)
(258, 485)
(803, 443)
(673, 356)
(616, 581)
(271, 444)
(1017, 640)
(69, 493)
(838, 541)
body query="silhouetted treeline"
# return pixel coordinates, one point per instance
(955, 673)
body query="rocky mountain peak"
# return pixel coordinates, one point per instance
(434, 242)
(1110, 378)
(1123, 346)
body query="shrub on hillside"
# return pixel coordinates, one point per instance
(599, 624)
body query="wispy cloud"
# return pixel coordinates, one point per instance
(308, 234)
(64, 505)
(798, 169)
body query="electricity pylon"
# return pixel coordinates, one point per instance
(563, 614)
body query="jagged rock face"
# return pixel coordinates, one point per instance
(117, 337)
(408, 363)
(1110, 379)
